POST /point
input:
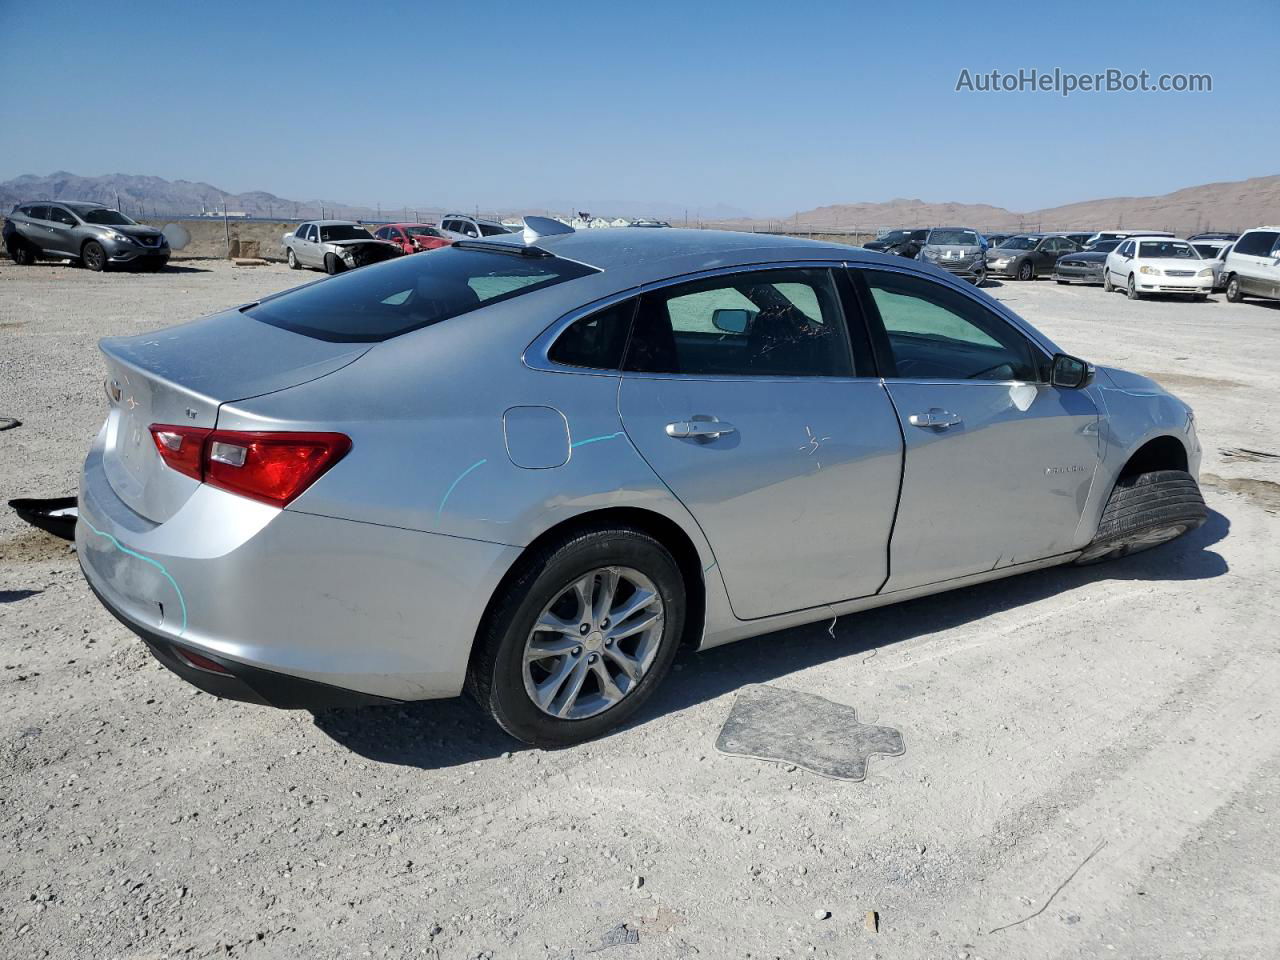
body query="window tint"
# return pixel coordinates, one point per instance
(1257, 243)
(401, 295)
(936, 333)
(344, 231)
(58, 215)
(597, 340)
(38, 212)
(781, 323)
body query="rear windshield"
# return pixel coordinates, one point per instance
(344, 231)
(379, 302)
(960, 238)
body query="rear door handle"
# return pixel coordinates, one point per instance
(700, 428)
(941, 419)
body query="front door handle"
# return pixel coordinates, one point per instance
(941, 419)
(699, 428)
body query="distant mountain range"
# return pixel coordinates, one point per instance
(1234, 205)
(1220, 206)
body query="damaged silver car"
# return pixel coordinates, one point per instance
(335, 246)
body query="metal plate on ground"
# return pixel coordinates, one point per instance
(787, 726)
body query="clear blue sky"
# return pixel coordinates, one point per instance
(767, 107)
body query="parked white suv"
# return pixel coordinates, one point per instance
(1253, 266)
(1143, 265)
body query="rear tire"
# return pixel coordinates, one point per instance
(1144, 511)
(292, 258)
(1233, 289)
(93, 256)
(21, 252)
(500, 679)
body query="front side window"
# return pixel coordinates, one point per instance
(1258, 243)
(595, 341)
(779, 323)
(58, 215)
(936, 333)
(366, 306)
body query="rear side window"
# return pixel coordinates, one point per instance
(780, 323)
(384, 301)
(595, 341)
(38, 213)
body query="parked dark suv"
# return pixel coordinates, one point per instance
(91, 233)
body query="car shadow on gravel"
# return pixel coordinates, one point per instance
(438, 734)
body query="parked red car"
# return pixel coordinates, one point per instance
(412, 237)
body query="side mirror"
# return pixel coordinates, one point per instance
(731, 320)
(1070, 373)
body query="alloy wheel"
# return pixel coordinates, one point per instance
(593, 643)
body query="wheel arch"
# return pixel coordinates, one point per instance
(663, 529)
(1164, 452)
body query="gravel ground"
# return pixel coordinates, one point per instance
(1132, 705)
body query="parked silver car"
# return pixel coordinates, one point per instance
(335, 246)
(957, 250)
(89, 233)
(533, 470)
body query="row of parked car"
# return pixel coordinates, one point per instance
(1139, 262)
(338, 245)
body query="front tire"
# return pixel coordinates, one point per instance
(1131, 290)
(1234, 295)
(580, 638)
(1144, 511)
(93, 256)
(292, 259)
(333, 264)
(1107, 285)
(1026, 271)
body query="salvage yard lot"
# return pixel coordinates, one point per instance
(1132, 704)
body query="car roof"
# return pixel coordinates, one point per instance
(336, 223)
(658, 254)
(73, 204)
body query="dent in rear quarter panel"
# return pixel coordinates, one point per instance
(425, 413)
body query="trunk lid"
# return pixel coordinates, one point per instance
(182, 376)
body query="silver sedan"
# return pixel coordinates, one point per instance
(531, 467)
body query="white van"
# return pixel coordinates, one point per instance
(1253, 265)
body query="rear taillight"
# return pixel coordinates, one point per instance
(181, 448)
(272, 467)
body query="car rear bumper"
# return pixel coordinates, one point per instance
(285, 599)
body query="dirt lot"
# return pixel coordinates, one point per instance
(1133, 705)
